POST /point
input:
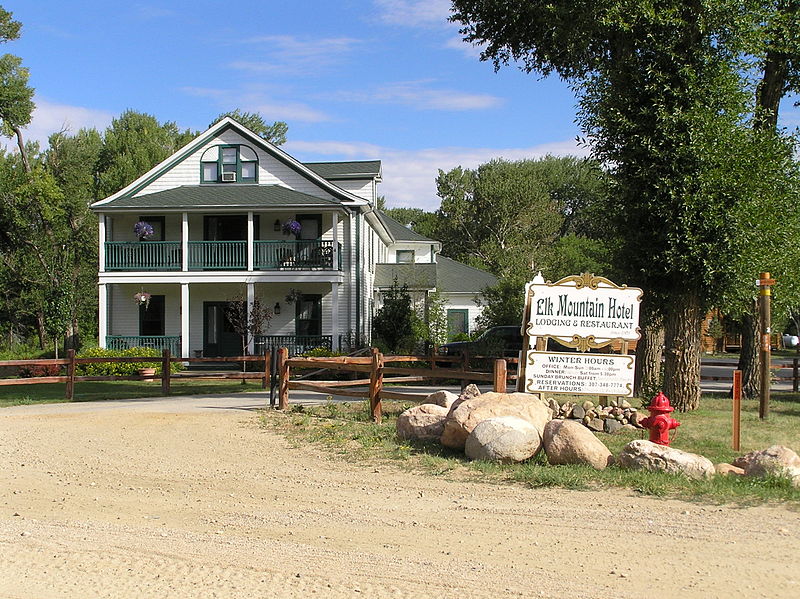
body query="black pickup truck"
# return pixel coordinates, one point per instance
(498, 341)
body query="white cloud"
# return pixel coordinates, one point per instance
(409, 176)
(260, 101)
(414, 13)
(471, 51)
(50, 117)
(418, 95)
(288, 53)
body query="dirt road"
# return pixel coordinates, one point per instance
(148, 503)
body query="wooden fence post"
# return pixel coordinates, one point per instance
(464, 368)
(166, 371)
(432, 358)
(376, 385)
(795, 380)
(267, 358)
(737, 408)
(500, 376)
(283, 373)
(69, 392)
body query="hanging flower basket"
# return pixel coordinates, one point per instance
(142, 298)
(291, 227)
(143, 230)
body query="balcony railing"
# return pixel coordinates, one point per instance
(295, 255)
(222, 255)
(143, 255)
(160, 342)
(217, 255)
(297, 344)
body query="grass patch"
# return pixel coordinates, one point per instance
(346, 430)
(14, 395)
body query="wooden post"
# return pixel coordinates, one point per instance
(69, 392)
(273, 377)
(737, 408)
(500, 376)
(283, 373)
(432, 359)
(166, 372)
(795, 380)
(376, 385)
(764, 303)
(267, 358)
(464, 368)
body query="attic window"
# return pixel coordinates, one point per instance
(229, 164)
(405, 256)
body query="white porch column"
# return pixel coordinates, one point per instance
(185, 320)
(184, 243)
(101, 235)
(102, 314)
(251, 296)
(335, 229)
(335, 316)
(250, 241)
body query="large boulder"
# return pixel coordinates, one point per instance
(775, 460)
(466, 415)
(424, 422)
(442, 398)
(469, 392)
(646, 455)
(507, 440)
(569, 442)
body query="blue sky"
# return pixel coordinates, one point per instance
(354, 79)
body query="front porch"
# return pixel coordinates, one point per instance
(194, 319)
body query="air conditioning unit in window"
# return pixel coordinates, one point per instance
(229, 177)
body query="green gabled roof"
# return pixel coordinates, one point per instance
(414, 276)
(399, 231)
(455, 277)
(221, 195)
(445, 275)
(360, 169)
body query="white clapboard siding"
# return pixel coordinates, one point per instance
(124, 312)
(362, 188)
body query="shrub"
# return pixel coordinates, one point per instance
(121, 368)
(37, 370)
(321, 352)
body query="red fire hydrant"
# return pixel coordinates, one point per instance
(658, 423)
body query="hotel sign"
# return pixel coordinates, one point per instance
(583, 311)
(593, 374)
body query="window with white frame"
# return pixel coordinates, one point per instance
(229, 164)
(405, 256)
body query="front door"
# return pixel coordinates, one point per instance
(219, 338)
(225, 227)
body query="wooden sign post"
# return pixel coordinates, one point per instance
(765, 284)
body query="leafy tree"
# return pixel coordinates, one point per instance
(133, 144)
(419, 221)
(247, 321)
(16, 96)
(437, 318)
(394, 323)
(662, 97)
(274, 133)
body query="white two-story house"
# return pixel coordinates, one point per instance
(232, 216)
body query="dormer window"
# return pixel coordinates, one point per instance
(229, 164)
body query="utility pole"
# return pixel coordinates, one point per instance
(765, 284)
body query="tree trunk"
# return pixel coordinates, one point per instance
(40, 330)
(682, 333)
(749, 357)
(23, 154)
(649, 351)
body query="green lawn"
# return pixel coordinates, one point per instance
(14, 395)
(346, 429)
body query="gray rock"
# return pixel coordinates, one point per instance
(569, 442)
(554, 407)
(442, 398)
(646, 455)
(596, 424)
(612, 425)
(776, 460)
(507, 440)
(578, 412)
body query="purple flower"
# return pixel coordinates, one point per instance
(291, 227)
(143, 230)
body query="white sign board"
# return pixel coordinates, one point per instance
(583, 307)
(568, 372)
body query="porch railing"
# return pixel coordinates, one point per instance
(217, 255)
(295, 255)
(143, 255)
(297, 344)
(160, 342)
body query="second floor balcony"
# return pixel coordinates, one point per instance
(268, 255)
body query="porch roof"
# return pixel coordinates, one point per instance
(445, 275)
(220, 196)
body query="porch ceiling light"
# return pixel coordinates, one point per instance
(277, 308)
(277, 226)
